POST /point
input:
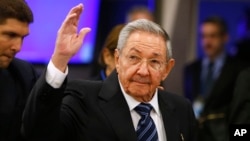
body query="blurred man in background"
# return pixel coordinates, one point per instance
(209, 81)
(139, 12)
(16, 76)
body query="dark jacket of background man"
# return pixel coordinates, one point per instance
(17, 77)
(216, 109)
(15, 84)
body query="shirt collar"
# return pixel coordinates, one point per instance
(218, 60)
(132, 103)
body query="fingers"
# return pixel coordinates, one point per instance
(83, 33)
(73, 16)
(77, 9)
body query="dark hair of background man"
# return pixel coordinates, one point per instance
(16, 9)
(221, 23)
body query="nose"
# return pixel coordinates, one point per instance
(17, 44)
(143, 69)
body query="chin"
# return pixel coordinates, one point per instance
(4, 65)
(140, 95)
(139, 91)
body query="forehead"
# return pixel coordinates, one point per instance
(15, 26)
(141, 15)
(210, 27)
(146, 43)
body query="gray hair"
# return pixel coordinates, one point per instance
(147, 26)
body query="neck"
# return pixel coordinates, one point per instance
(108, 71)
(214, 57)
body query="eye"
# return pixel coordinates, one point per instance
(155, 61)
(155, 64)
(10, 35)
(133, 59)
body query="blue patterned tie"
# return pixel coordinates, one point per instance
(146, 130)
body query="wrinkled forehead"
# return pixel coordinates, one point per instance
(145, 37)
(141, 41)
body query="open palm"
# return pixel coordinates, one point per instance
(68, 41)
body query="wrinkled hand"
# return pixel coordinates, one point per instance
(68, 41)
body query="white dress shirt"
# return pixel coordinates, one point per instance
(54, 77)
(155, 113)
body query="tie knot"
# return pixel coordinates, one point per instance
(143, 109)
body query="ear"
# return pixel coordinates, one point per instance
(117, 57)
(168, 68)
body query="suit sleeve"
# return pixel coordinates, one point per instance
(240, 105)
(41, 117)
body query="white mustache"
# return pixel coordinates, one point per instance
(144, 80)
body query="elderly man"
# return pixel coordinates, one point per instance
(17, 77)
(127, 106)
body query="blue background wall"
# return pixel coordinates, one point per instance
(231, 11)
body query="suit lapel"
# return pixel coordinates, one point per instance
(170, 122)
(116, 109)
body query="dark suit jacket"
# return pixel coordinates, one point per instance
(214, 121)
(240, 106)
(16, 83)
(95, 111)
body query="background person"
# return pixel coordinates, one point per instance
(17, 77)
(106, 57)
(209, 81)
(139, 12)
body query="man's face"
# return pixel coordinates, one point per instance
(140, 15)
(12, 33)
(142, 64)
(212, 40)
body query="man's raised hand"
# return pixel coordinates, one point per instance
(68, 41)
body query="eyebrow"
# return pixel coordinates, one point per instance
(14, 33)
(136, 50)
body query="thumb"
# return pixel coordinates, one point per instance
(83, 33)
